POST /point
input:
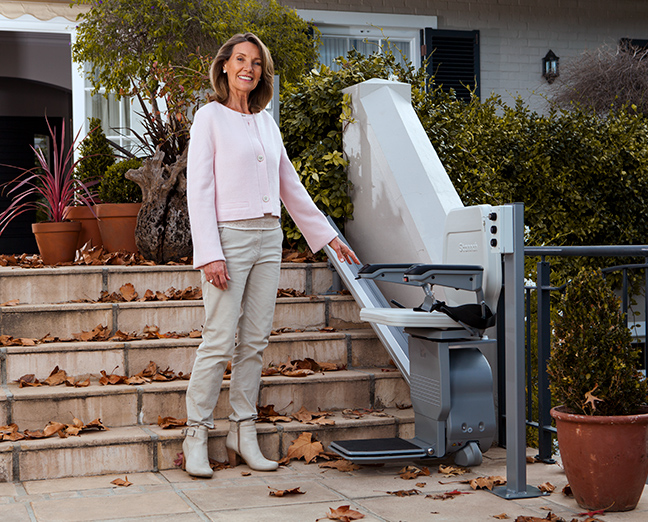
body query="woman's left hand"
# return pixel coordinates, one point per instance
(343, 252)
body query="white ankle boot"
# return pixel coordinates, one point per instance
(195, 459)
(242, 441)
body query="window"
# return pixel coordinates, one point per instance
(334, 46)
(118, 117)
(453, 60)
(368, 33)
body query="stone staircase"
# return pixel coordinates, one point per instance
(54, 301)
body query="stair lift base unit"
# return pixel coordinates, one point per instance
(451, 382)
(452, 397)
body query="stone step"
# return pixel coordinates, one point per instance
(64, 284)
(123, 405)
(64, 320)
(351, 348)
(133, 449)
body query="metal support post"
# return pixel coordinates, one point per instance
(544, 349)
(516, 486)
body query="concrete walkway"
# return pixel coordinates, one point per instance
(240, 495)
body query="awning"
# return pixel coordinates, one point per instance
(41, 10)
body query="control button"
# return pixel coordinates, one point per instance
(493, 229)
(260, 157)
(492, 216)
(266, 199)
(493, 242)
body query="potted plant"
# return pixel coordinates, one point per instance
(96, 156)
(51, 188)
(121, 202)
(602, 422)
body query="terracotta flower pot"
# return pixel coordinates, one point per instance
(57, 241)
(605, 458)
(117, 223)
(89, 225)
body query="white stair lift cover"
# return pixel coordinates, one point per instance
(467, 240)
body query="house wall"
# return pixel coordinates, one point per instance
(516, 34)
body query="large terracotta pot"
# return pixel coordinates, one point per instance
(89, 225)
(57, 241)
(605, 458)
(117, 223)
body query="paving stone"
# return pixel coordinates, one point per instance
(14, 513)
(289, 513)
(110, 508)
(8, 489)
(242, 497)
(39, 487)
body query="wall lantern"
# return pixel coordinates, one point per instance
(550, 66)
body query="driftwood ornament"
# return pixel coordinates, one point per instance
(163, 232)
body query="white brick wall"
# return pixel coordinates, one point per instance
(516, 34)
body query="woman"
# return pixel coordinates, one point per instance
(237, 172)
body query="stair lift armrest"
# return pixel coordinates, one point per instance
(391, 273)
(461, 277)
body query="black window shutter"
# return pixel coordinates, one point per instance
(453, 59)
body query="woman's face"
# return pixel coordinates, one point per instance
(243, 68)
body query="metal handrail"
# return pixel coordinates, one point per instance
(543, 289)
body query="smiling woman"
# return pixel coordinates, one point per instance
(238, 173)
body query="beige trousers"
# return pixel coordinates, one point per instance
(253, 260)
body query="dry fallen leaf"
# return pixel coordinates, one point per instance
(285, 492)
(56, 377)
(122, 482)
(452, 471)
(547, 487)
(550, 517)
(10, 433)
(501, 516)
(28, 380)
(167, 423)
(411, 472)
(303, 447)
(340, 465)
(404, 492)
(567, 491)
(128, 292)
(13, 302)
(448, 495)
(487, 482)
(344, 514)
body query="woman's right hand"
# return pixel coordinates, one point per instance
(216, 274)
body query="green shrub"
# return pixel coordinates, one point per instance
(96, 154)
(582, 177)
(115, 188)
(593, 365)
(313, 114)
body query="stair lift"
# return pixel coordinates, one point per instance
(451, 382)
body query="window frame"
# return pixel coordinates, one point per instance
(355, 25)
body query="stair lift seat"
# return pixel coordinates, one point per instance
(451, 383)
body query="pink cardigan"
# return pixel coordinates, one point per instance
(238, 169)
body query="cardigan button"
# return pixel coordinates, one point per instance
(266, 199)
(260, 157)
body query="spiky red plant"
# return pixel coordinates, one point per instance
(50, 188)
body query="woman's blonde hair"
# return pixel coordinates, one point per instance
(262, 93)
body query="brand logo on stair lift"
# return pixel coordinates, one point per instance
(468, 247)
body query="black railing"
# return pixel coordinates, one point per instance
(543, 291)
